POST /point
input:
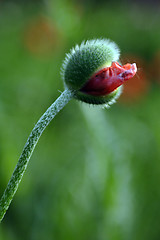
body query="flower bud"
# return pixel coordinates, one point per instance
(92, 71)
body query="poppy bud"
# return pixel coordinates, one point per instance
(91, 70)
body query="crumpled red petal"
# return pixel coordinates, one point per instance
(108, 79)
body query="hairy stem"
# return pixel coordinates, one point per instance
(21, 166)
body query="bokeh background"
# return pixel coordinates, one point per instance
(95, 174)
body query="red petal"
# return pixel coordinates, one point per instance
(108, 79)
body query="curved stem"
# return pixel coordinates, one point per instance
(21, 166)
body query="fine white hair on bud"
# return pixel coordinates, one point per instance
(91, 70)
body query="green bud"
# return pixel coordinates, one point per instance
(88, 71)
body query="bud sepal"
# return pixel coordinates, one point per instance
(92, 71)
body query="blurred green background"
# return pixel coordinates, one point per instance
(95, 174)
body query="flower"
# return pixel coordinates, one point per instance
(108, 79)
(92, 71)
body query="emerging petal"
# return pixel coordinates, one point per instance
(108, 79)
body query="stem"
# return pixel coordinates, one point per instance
(21, 166)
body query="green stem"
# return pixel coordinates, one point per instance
(21, 166)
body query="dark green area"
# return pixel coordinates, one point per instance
(95, 173)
